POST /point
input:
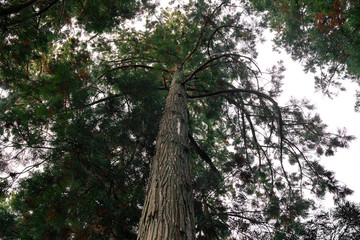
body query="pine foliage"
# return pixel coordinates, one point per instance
(82, 97)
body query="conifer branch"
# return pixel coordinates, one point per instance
(134, 66)
(103, 100)
(204, 155)
(215, 31)
(253, 133)
(252, 220)
(243, 132)
(225, 55)
(16, 8)
(260, 95)
(138, 66)
(46, 8)
(18, 21)
(195, 47)
(206, 22)
(217, 8)
(16, 175)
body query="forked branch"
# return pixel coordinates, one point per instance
(207, 21)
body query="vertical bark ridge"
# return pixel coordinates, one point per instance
(168, 209)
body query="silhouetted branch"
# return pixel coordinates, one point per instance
(134, 66)
(103, 100)
(207, 20)
(16, 8)
(203, 155)
(260, 95)
(215, 31)
(203, 65)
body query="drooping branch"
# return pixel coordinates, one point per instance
(259, 149)
(203, 155)
(257, 93)
(243, 132)
(260, 95)
(239, 90)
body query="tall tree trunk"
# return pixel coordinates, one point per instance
(168, 210)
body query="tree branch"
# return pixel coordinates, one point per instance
(253, 133)
(134, 66)
(206, 22)
(16, 8)
(196, 45)
(260, 95)
(203, 155)
(203, 65)
(46, 8)
(103, 100)
(217, 30)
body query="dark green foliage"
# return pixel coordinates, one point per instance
(80, 112)
(323, 35)
(342, 222)
(6, 219)
(339, 223)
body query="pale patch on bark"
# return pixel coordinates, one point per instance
(178, 126)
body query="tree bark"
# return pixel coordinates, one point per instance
(168, 211)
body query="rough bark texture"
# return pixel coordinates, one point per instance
(168, 210)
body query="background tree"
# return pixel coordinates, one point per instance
(86, 113)
(342, 222)
(39, 62)
(323, 35)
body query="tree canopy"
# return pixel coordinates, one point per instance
(341, 222)
(83, 92)
(323, 35)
